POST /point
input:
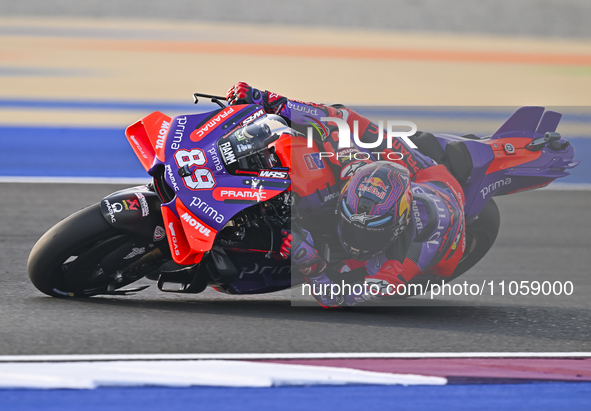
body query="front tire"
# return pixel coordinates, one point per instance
(79, 240)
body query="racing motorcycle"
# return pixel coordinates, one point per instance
(223, 186)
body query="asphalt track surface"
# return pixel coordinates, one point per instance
(544, 236)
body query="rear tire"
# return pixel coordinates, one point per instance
(480, 237)
(53, 254)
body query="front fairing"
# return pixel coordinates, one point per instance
(207, 196)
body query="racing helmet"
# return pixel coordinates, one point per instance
(374, 212)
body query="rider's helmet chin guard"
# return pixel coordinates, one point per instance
(374, 212)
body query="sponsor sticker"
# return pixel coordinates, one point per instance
(135, 252)
(231, 193)
(274, 174)
(196, 224)
(227, 153)
(143, 204)
(375, 186)
(252, 117)
(132, 205)
(162, 133)
(159, 233)
(204, 130)
(313, 161)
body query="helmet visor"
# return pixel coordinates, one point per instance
(363, 242)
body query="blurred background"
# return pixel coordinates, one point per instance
(75, 73)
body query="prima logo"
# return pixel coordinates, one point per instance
(491, 188)
(302, 108)
(258, 270)
(207, 209)
(345, 133)
(216, 160)
(434, 238)
(178, 133)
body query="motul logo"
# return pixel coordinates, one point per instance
(162, 133)
(196, 224)
(211, 124)
(273, 174)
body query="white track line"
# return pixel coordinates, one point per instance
(147, 179)
(568, 186)
(283, 356)
(88, 375)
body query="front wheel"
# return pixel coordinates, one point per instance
(72, 258)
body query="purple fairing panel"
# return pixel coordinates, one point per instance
(199, 190)
(523, 123)
(258, 274)
(482, 156)
(549, 122)
(528, 123)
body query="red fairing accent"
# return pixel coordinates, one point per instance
(440, 173)
(519, 156)
(147, 137)
(179, 246)
(233, 193)
(212, 123)
(199, 235)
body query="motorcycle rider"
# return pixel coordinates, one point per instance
(396, 219)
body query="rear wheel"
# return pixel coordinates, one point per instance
(66, 261)
(480, 237)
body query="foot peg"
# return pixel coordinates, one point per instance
(175, 278)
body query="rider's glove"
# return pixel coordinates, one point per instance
(285, 249)
(242, 93)
(319, 284)
(304, 253)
